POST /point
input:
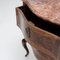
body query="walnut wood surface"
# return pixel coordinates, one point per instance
(45, 44)
(49, 10)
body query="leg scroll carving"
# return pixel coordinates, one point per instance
(25, 46)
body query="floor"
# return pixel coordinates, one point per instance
(10, 35)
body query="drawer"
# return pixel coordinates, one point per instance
(40, 55)
(38, 33)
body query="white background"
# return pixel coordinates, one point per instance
(10, 35)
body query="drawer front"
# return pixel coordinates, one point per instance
(43, 41)
(41, 56)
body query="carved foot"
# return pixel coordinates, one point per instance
(25, 46)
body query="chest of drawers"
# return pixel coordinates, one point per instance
(43, 36)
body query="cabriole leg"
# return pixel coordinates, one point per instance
(25, 46)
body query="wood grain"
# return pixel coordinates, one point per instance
(45, 44)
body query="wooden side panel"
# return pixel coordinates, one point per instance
(46, 45)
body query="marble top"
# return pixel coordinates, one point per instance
(47, 9)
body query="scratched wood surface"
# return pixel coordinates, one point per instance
(49, 10)
(46, 46)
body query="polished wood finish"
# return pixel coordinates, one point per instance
(45, 45)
